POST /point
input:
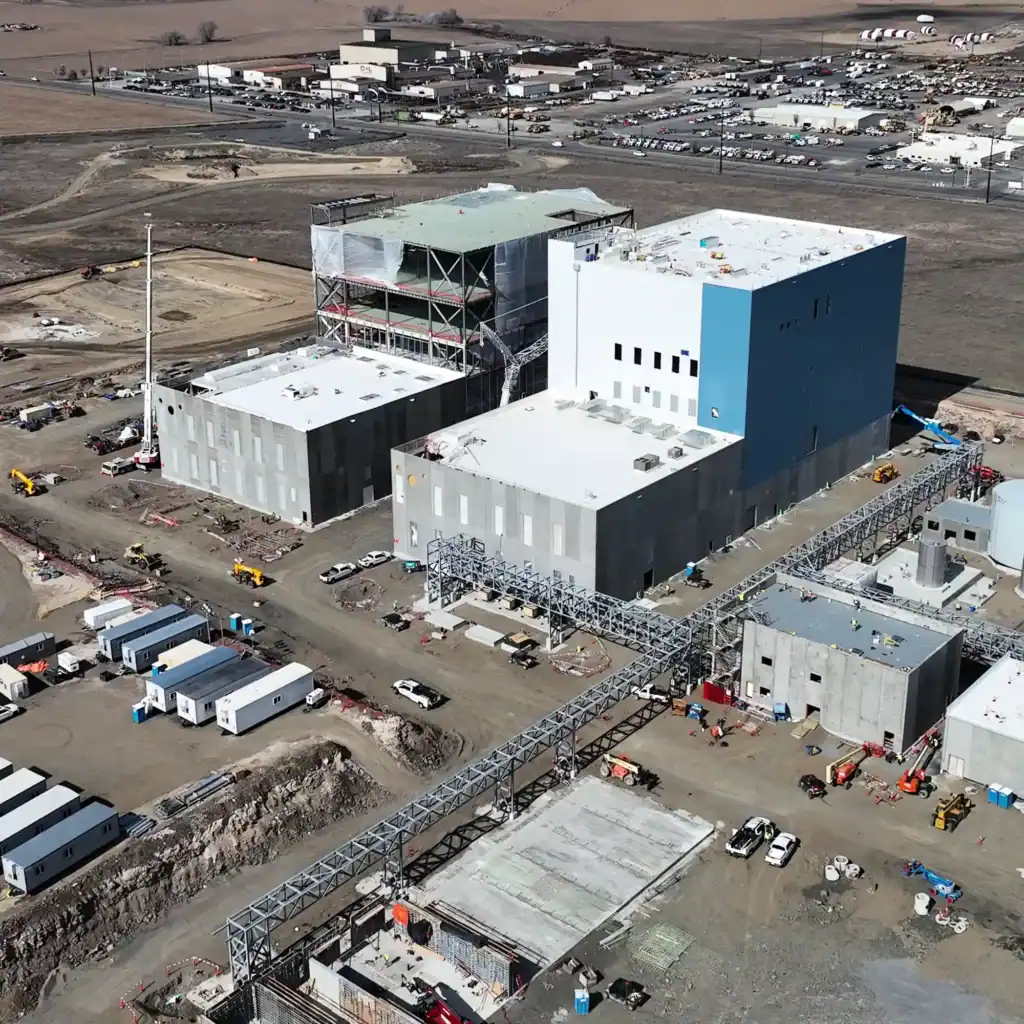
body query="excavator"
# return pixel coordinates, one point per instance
(136, 555)
(21, 483)
(248, 575)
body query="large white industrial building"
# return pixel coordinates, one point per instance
(953, 149)
(404, 300)
(703, 375)
(816, 116)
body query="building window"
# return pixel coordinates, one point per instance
(657, 360)
(693, 367)
(414, 536)
(618, 352)
(399, 489)
(191, 426)
(656, 399)
(280, 457)
(499, 520)
(528, 530)
(637, 394)
(637, 356)
(278, 699)
(764, 691)
(193, 465)
(691, 408)
(814, 441)
(557, 539)
(815, 309)
(617, 389)
(815, 678)
(257, 449)
(261, 491)
(970, 535)
(236, 440)
(673, 403)
(714, 412)
(438, 500)
(933, 524)
(214, 476)
(463, 510)
(828, 306)
(766, 661)
(675, 364)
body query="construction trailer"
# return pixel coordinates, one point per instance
(99, 615)
(36, 647)
(162, 689)
(113, 638)
(140, 653)
(36, 816)
(867, 671)
(62, 847)
(20, 787)
(263, 699)
(197, 699)
(180, 655)
(13, 684)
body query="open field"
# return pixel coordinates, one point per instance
(24, 111)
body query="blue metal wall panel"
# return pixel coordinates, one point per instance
(817, 379)
(724, 349)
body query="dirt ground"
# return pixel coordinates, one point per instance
(24, 110)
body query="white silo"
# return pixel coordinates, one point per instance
(888, 33)
(925, 19)
(1006, 539)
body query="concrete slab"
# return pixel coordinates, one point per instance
(485, 636)
(898, 570)
(578, 856)
(444, 620)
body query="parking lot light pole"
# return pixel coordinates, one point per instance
(721, 140)
(991, 160)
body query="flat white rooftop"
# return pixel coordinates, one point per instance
(545, 881)
(738, 250)
(576, 453)
(310, 387)
(996, 701)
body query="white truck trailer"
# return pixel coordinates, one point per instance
(252, 705)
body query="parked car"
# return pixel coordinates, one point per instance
(8, 711)
(425, 696)
(372, 558)
(812, 786)
(523, 659)
(394, 621)
(746, 839)
(782, 848)
(338, 572)
(652, 693)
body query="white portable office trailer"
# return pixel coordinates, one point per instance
(37, 816)
(246, 708)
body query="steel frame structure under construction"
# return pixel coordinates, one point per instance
(704, 644)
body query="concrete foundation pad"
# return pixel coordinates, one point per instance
(898, 570)
(485, 636)
(444, 620)
(548, 879)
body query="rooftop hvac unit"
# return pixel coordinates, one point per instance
(661, 431)
(676, 452)
(645, 463)
(640, 424)
(614, 414)
(564, 403)
(697, 438)
(594, 406)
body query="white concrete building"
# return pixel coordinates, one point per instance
(984, 736)
(1015, 128)
(813, 116)
(960, 150)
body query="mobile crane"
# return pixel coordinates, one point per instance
(148, 456)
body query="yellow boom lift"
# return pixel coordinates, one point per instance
(21, 483)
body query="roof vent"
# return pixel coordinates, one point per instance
(645, 463)
(424, 377)
(662, 431)
(697, 438)
(676, 452)
(368, 398)
(564, 403)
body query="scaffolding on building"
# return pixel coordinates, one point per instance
(704, 644)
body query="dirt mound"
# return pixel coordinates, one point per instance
(271, 807)
(422, 748)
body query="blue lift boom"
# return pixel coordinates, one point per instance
(932, 426)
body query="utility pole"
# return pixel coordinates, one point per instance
(508, 120)
(991, 160)
(92, 76)
(209, 87)
(334, 115)
(821, 50)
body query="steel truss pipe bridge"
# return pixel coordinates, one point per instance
(704, 644)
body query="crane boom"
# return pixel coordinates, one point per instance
(148, 456)
(930, 425)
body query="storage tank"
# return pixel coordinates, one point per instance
(925, 19)
(931, 562)
(866, 35)
(877, 33)
(889, 33)
(1006, 539)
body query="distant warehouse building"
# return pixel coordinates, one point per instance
(404, 302)
(703, 375)
(808, 116)
(955, 150)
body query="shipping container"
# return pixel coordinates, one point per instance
(140, 653)
(61, 847)
(36, 413)
(181, 654)
(30, 648)
(246, 708)
(197, 699)
(36, 816)
(114, 637)
(99, 615)
(20, 787)
(13, 684)
(162, 690)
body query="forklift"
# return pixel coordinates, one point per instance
(248, 575)
(950, 812)
(885, 473)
